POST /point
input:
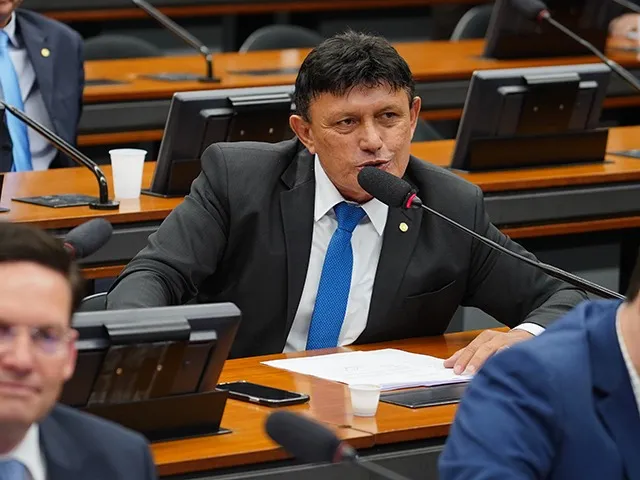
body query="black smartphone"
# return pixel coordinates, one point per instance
(263, 395)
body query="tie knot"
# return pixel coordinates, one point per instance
(348, 216)
(11, 469)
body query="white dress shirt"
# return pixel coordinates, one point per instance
(633, 373)
(29, 454)
(42, 152)
(366, 243)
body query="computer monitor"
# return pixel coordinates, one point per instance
(133, 365)
(198, 119)
(529, 117)
(510, 35)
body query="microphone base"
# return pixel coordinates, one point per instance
(109, 205)
(60, 201)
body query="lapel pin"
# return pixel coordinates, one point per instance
(45, 52)
(403, 227)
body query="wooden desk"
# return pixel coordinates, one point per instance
(525, 204)
(442, 71)
(329, 404)
(103, 10)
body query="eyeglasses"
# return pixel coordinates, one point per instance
(45, 340)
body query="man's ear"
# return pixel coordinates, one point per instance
(302, 129)
(414, 114)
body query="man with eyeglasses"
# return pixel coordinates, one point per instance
(40, 440)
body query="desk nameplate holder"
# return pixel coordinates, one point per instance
(537, 151)
(140, 384)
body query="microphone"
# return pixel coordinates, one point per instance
(183, 35)
(88, 238)
(314, 443)
(395, 192)
(538, 12)
(103, 202)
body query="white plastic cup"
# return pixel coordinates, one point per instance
(127, 165)
(364, 400)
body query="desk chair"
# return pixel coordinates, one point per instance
(104, 47)
(279, 37)
(94, 303)
(473, 24)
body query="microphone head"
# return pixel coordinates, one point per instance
(88, 238)
(531, 9)
(384, 186)
(305, 439)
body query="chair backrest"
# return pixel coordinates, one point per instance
(104, 47)
(425, 132)
(473, 24)
(94, 303)
(278, 37)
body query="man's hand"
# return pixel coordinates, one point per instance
(622, 26)
(469, 359)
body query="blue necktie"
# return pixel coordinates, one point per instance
(335, 281)
(11, 470)
(13, 96)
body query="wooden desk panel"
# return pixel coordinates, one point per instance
(147, 208)
(429, 61)
(330, 401)
(230, 7)
(247, 444)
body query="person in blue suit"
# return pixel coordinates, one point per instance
(563, 405)
(42, 74)
(39, 438)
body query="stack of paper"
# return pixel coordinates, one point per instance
(390, 368)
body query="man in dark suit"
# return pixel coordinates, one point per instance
(42, 74)
(39, 440)
(564, 405)
(285, 231)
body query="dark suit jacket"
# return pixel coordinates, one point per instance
(60, 78)
(244, 232)
(560, 406)
(78, 446)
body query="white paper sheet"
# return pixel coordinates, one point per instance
(390, 368)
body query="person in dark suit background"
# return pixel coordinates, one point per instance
(40, 440)
(564, 405)
(285, 232)
(42, 74)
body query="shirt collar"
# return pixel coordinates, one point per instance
(328, 196)
(10, 30)
(633, 373)
(28, 453)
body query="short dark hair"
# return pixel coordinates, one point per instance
(634, 283)
(24, 243)
(347, 61)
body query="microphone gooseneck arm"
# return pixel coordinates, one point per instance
(65, 148)
(545, 16)
(574, 280)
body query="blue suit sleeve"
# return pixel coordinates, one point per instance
(506, 424)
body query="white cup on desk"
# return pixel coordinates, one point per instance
(127, 165)
(364, 399)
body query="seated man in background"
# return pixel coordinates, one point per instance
(285, 231)
(42, 74)
(39, 439)
(564, 405)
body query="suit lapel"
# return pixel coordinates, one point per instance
(397, 248)
(297, 206)
(63, 458)
(615, 401)
(36, 42)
